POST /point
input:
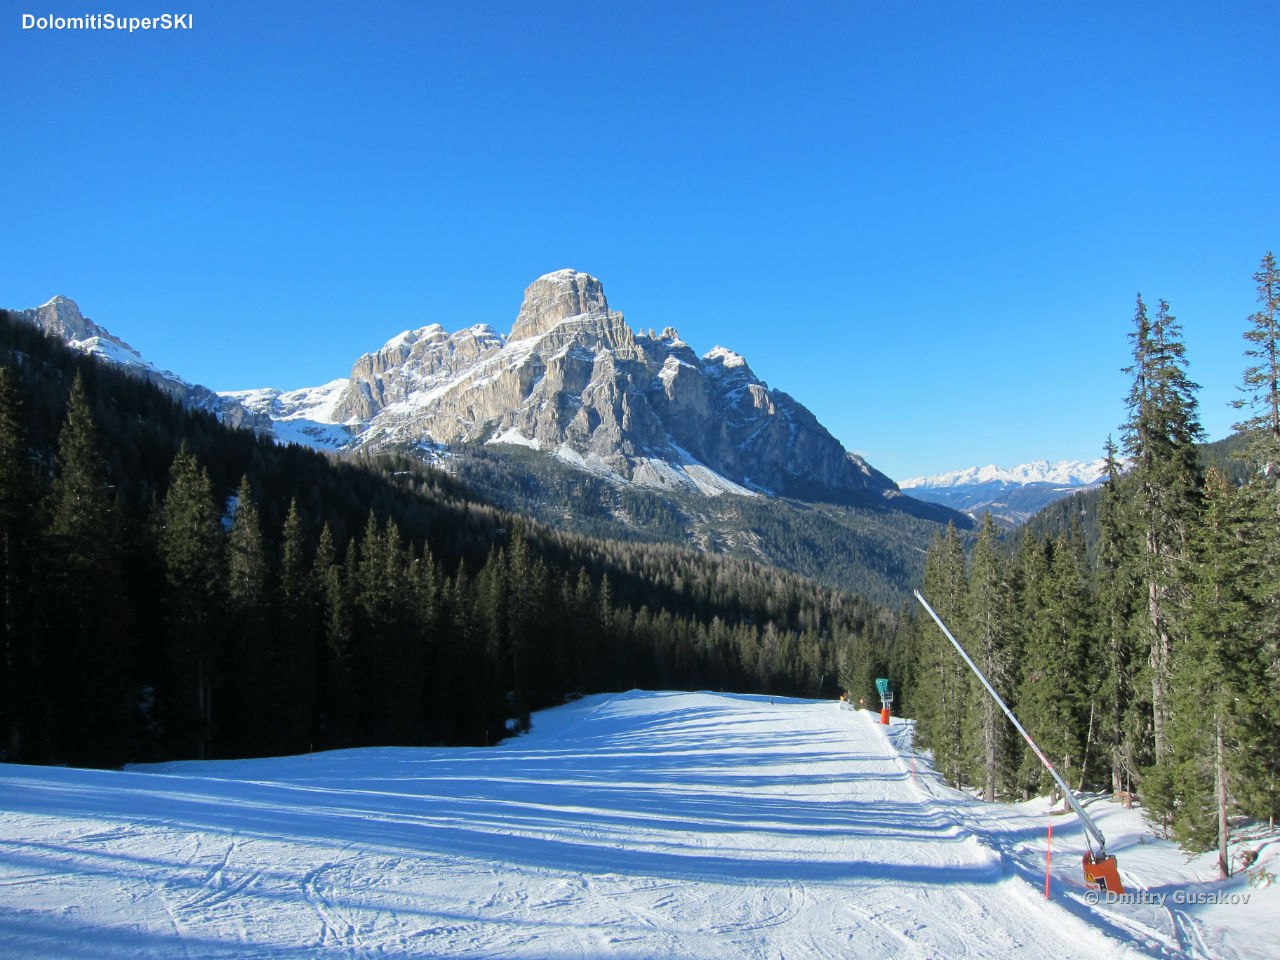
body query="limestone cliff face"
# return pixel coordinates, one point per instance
(61, 317)
(571, 379)
(574, 380)
(411, 365)
(556, 297)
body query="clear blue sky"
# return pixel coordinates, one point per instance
(926, 221)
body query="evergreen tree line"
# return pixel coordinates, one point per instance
(173, 588)
(1149, 662)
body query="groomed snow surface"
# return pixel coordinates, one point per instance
(633, 825)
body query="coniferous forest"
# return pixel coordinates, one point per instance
(1144, 657)
(173, 588)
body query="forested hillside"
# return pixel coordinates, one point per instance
(174, 588)
(871, 546)
(1143, 656)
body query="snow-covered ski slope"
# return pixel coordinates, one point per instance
(636, 825)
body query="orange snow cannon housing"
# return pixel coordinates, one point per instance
(1102, 875)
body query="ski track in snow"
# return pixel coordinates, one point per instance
(636, 825)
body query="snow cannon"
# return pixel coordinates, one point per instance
(886, 699)
(1100, 870)
(1102, 874)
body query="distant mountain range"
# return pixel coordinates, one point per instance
(1011, 496)
(572, 381)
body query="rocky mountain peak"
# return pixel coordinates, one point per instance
(574, 381)
(555, 297)
(61, 316)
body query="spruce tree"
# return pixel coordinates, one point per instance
(91, 618)
(1215, 685)
(582, 635)
(253, 716)
(988, 637)
(1031, 573)
(440, 677)
(389, 659)
(526, 616)
(943, 694)
(1123, 714)
(190, 542)
(1076, 627)
(1054, 663)
(296, 647)
(1260, 505)
(606, 655)
(1255, 569)
(1164, 486)
(1262, 376)
(479, 714)
(21, 634)
(339, 707)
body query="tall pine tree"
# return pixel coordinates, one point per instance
(990, 641)
(21, 634)
(943, 694)
(1124, 718)
(1262, 376)
(1215, 677)
(296, 631)
(190, 542)
(252, 695)
(1164, 487)
(91, 618)
(1260, 505)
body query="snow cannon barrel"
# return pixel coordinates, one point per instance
(1102, 874)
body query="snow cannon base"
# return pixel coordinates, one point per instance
(1103, 874)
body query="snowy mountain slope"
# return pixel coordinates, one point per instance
(1011, 495)
(303, 416)
(61, 317)
(574, 381)
(636, 825)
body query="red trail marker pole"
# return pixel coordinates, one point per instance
(1048, 859)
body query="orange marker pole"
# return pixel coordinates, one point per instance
(1048, 859)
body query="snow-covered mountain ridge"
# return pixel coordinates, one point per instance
(574, 381)
(1011, 495)
(571, 380)
(1069, 473)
